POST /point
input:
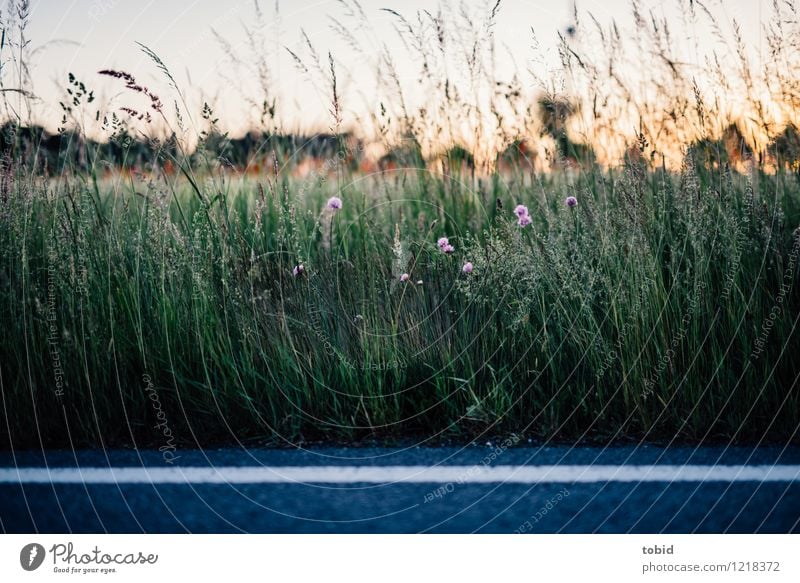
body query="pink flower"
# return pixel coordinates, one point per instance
(334, 203)
(298, 269)
(404, 278)
(523, 217)
(467, 267)
(571, 201)
(444, 244)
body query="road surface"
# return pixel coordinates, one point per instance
(489, 488)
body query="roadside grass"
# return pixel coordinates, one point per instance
(662, 306)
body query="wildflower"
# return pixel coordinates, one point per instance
(404, 278)
(523, 217)
(571, 201)
(419, 282)
(334, 203)
(298, 270)
(467, 267)
(444, 244)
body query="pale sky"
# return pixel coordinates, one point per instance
(84, 36)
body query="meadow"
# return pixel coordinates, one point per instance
(190, 299)
(660, 306)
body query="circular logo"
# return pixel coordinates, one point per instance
(31, 556)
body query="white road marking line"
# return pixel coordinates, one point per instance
(406, 474)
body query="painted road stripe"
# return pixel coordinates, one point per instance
(406, 474)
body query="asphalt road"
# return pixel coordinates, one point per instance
(488, 488)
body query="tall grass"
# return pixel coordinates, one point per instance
(645, 311)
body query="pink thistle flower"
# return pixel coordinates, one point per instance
(298, 270)
(404, 278)
(442, 243)
(467, 268)
(525, 220)
(449, 249)
(521, 210)
(334, 203)
(571, 201)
